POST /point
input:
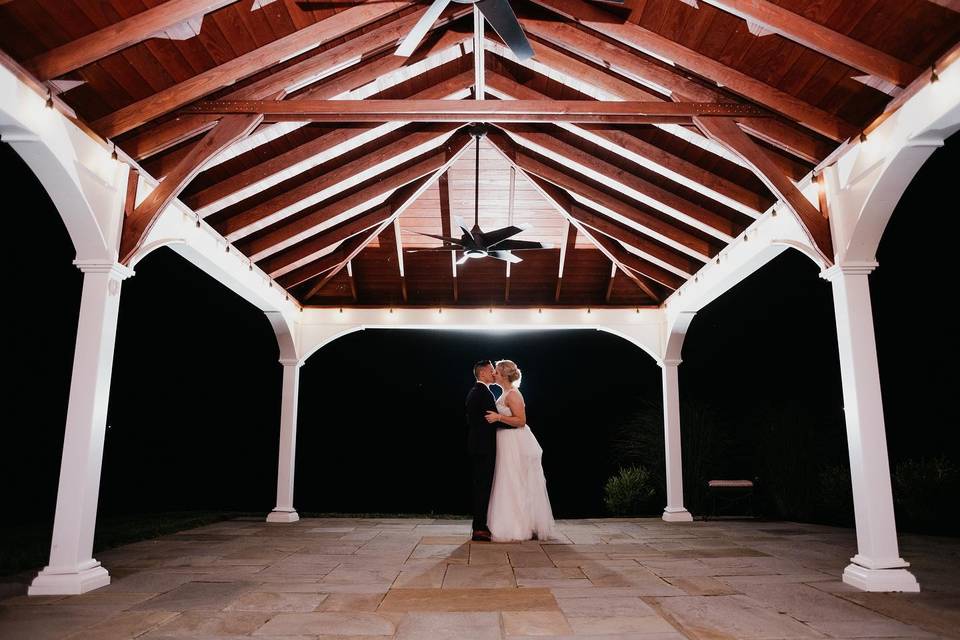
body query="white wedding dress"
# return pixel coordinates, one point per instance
(519, 504)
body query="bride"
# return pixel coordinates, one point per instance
(519, 504)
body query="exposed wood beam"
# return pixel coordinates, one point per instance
(136, 227)
(651, 194)
(353, 281)
(562, 202)
(101, 43)
(446, 224)
(172, 98)
(295, 242)
(369, 51)
(473, 111)
(311, 249)
(339, 178)
(758, 91)
(816, 226)
(454, 147)
(821, 39)
(309, 154)
(676, 85)
(613, 277)
(569, 244)
(399, 247)
(680, 240)
(607, 246)
(648, 155)
(350, 233)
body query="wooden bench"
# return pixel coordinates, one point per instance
(730, 493)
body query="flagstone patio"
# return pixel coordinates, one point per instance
(404, 578)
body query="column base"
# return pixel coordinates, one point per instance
(67, 584)
(677, 516)
(283, 516)
(880, 579)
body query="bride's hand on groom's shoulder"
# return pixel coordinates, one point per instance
(492, 416)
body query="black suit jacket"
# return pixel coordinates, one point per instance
(482, 435)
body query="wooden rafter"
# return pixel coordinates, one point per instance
(446, 224)
(136, 227)
(568, 245)
(454, 147)
(473, 111)
(608, 24)
(172, 98)
(286, 202)
(304, 155)
(682, 242)
(622, 60)
(369, 51)
(101, 43)
(727, 132)
(399, 247)
(607, 246)
(560, 200)
(821, 39)
(292, 240)
(625, 145)
(310, 250)
(664, 200)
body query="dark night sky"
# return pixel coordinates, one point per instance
(194, 412)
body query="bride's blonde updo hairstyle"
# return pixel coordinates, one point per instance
(509, 370)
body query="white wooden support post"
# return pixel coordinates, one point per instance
(674, 512)
(284, 511)
(877, 566)
(72, 569)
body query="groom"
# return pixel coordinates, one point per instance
(481, 445)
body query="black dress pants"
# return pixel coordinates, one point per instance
(483, 465)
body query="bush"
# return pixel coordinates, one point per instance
(922, 492)
(630, 492)
(836, 496)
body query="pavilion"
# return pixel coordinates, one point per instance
(667, 149)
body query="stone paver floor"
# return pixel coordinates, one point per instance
(409, 579)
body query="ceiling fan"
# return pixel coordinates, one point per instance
(496, 12)
(474, 242)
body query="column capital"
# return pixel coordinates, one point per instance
(863, 268)
(117, 270)
(290, 362)
(670, 362)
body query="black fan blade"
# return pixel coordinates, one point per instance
(499, 235)
(456, 241)
(519, 245)
(506, 256)
(466, 230)
(501, 17)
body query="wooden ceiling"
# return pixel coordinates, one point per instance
(218, 99)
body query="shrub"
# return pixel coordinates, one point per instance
(836, 495)
(922, 491)
(630, 492)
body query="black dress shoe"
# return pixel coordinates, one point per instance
(481, 536)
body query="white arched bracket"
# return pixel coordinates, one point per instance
(877, 566)
(72, 569)
(284, 511)
(674, 334)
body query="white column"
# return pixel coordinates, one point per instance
(72, 568)
(877, 565)
(674, 512)
(284, 511)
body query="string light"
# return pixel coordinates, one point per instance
(49, 99)
(934, 76)
(113, 154)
